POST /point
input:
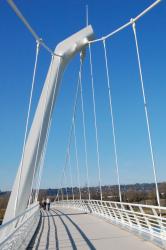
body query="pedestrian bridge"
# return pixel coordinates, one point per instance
(74, 223)
(67, 228)
(87, 224)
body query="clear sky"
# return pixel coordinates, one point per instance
(54, 21)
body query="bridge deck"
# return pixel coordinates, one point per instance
(70, 229)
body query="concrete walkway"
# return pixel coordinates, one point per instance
(71, 229)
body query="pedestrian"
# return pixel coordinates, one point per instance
(48, 203)
(44, 204)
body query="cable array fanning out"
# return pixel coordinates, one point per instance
(40, 42)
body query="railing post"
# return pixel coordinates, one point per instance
(135, 217)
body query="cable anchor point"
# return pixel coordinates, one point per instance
(132, 20)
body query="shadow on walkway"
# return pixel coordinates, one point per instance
(57, 215)
(86, 239)
(41, 230)
(56, 232)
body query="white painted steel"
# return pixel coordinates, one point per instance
(124, 26)
(112, 118)
(17, 233)
(146, 113)
(28, 26)
(67, 49)
(95, 121)
(148, 221)
(68, 228)
(83, 124)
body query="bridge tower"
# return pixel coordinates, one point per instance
(21, 190)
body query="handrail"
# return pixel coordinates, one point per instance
(147, 220)
(132, 204)
(17, 217)
(19, 230)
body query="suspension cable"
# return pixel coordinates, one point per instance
(62, 193)
(76, 155)
(70, 172)
(112, 118)
(41, 127)
(49, 121)
(146, 111)
(37, 38)
(95, 122)
(65, 177)
(84, 129)
(27, 121)
(71, 178)
(70, 132)
(128, 23)
(30, 29)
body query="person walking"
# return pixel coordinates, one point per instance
(44, 204)
(48, 204)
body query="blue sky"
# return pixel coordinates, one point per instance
(54, 21)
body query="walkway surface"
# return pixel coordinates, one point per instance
(70, 229)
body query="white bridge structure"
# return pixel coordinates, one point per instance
(72, 222)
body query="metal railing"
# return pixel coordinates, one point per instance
(17, 233)
(148, 221)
